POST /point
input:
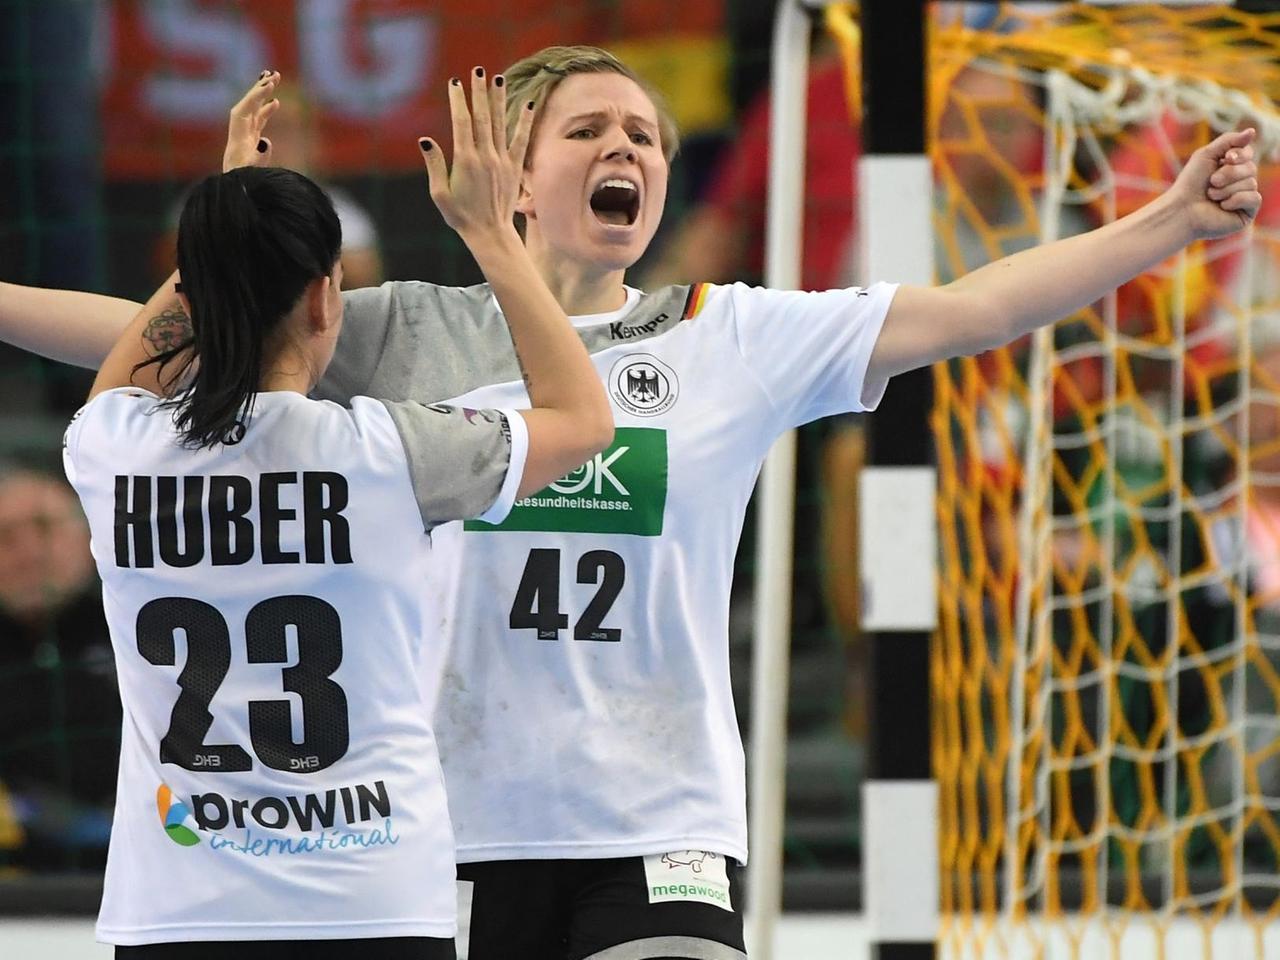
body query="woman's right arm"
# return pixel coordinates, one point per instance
(82, 328)
(162, 322)
(64, 325)
(571, 420)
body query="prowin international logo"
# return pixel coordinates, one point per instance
(337, 819)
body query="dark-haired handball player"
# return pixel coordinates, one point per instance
(586, 724)
(263, 557)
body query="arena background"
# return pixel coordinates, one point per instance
(111, 109)
(1060, 832)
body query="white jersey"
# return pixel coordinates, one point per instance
(278, 772)
(586, 710)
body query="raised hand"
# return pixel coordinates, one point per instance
(246, 146)
(1219, 186)
(479, 193)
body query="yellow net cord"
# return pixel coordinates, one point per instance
(841, 23)
(1106, 676)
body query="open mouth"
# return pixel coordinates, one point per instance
(616, 202)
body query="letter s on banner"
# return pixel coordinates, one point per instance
(172, 69)
(185, 28)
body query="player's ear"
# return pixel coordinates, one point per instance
(524, 199)
(321, 313)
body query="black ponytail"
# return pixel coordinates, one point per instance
(249, 242)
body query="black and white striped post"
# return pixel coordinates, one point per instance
(898, 528)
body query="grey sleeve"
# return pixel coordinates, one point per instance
(463, 463)
(366, 320)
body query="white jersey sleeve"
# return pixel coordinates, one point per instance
(71, 446)
(100, 418)
(465, 464)
(809, 351)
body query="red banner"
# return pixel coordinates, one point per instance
(373, 71)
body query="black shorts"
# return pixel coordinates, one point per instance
(593, 910)
(374, 948)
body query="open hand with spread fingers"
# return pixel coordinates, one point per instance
(1218, 188)
(479, 193)
(246, 146)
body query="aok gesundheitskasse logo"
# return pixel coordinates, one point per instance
(622, 489)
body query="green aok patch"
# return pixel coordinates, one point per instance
(621, 490)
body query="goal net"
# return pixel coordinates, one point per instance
(1106, 676)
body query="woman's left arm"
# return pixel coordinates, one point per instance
(1215, 194)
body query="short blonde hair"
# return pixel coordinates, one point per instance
(537, 75)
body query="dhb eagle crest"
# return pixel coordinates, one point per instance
(643, 385)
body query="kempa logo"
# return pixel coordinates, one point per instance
(617, 331)
(643, 385)
(620, 490)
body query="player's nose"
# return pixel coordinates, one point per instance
(617, 145)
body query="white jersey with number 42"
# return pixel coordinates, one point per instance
(586, 710)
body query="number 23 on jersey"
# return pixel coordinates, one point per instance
(208, 639)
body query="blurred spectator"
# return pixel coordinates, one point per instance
(59, 709)
(722, 238)
(292, 133)
(988, 153)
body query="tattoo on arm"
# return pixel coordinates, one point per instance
(524, 374)
(170, 330)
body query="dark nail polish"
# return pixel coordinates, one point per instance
(262, 146)
(529, 105)
(263, 74)
(480, 72)
(425, 144)
(499, 80)
(454, 81)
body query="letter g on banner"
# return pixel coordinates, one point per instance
(355, 63)
(400, 54)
